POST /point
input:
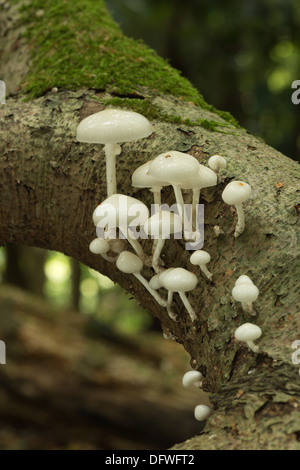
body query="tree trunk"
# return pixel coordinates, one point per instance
(50, 185)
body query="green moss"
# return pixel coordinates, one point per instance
(151, 111)
(76, 44)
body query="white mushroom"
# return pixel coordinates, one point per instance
(248, 333)
(174, 167)
(245, 292)
(141, 179)
(101, 247)
(160, 226)
(192, 377)
(125, 213)
(130, 263)
(112, 127)
(179, 280)
(201, 258)
(216, 163)
(235, 193)
(202, 412)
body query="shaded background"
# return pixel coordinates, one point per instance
(86, 366)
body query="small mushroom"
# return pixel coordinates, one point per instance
(101, 247)
(201, 258)
(179, 280)
(130, 263)
(202, 412)
(141, 179)
(248, 333)
(160, 226)
(112, 127)
(174, 167)
(120, 211)
(192, 377)
(216, 163)
(235, 193)
(245, 292)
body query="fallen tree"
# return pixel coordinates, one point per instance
(63, 62)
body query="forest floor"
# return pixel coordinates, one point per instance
(69, 385)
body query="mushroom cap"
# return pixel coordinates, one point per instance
(242, 279)
(204, 179)
(216, 162)
(236, 192)
(248, 332)
(178, 280)
(202, 412)
(162, 224)
(129, 263)
(154, 282)
(245, 292)
(141, 178)
(192, 377)
(174, 167)
(99, 246)
(200, 257)
(113, 126)
(118, 209)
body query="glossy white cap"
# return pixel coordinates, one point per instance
(200, 257)
(129, 263)
(113, 126)
(192, 377)
(202, 412)
(141, 178)
(236, 192)
(248, 332)
(178, 280)
(174, 167)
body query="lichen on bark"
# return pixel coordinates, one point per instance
(55, 183)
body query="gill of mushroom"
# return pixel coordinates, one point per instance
(235, 193)
(119, 211)
(174, 167)
(130, 263)
(112, 127)
(160, 226)
(179, 280)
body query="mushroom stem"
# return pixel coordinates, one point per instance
(253, 346)
(109, 258)
(111, 151)
(240, 226)
(179, 199)
(137, 247)
(248, 308)
(156, 296)
(187, 306)
(206, 271)
(157, 197)
(169, 303)
(158, 245)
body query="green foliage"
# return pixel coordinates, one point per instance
(243, 56)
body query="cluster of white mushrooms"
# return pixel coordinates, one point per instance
(118, 216)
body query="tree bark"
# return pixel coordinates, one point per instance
(50, 185)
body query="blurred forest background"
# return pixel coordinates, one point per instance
(86, 366)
